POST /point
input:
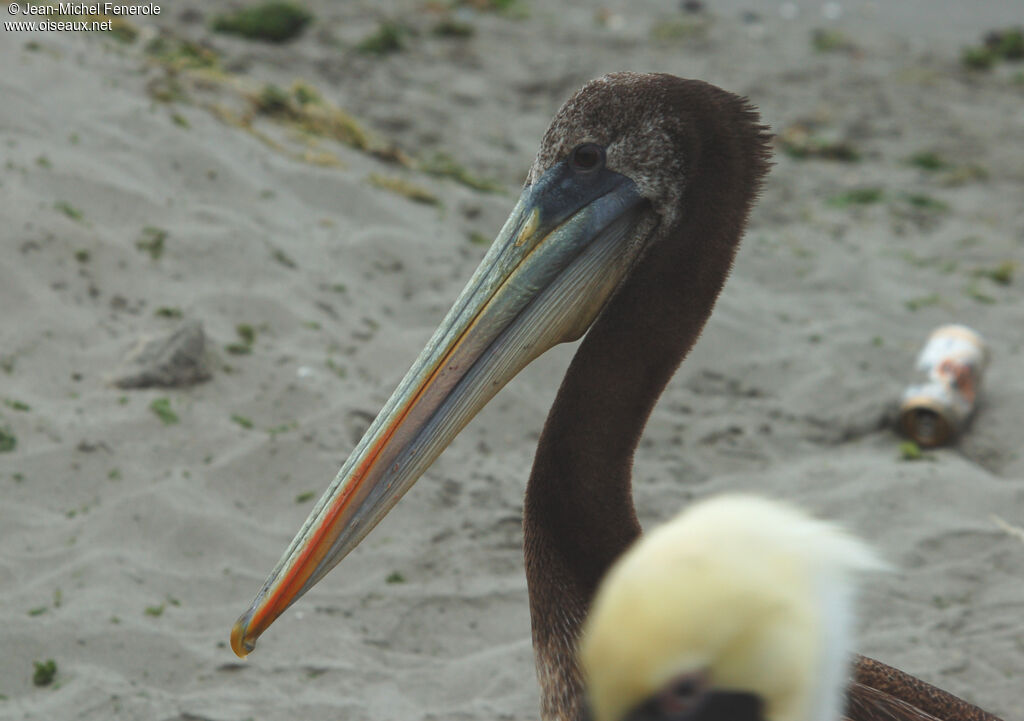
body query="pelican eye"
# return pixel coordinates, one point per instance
(679, 697)
(587, 158)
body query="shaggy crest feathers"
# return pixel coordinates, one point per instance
(662, 132)
(752, 592)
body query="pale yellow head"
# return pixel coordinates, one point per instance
(752, 595)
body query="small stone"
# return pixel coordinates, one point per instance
(169, 361)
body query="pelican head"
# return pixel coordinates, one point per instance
(623, 162)
(738, 610)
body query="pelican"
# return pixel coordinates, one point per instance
(625, 230)
(739, 608)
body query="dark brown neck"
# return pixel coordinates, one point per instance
(578, 514)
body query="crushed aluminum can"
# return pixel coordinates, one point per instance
(949, 368)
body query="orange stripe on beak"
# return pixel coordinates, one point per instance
(246, 630)
(313, 550)
(542, 282)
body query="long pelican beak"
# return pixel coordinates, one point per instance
(568, 243)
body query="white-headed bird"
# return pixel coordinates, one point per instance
(739, 609)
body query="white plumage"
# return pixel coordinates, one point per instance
(754, 593)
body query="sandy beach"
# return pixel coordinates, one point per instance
(317, 204)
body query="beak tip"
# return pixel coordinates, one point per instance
(241, 644)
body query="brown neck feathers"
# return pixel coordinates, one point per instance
(579, 514)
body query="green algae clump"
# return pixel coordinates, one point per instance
(273, 22)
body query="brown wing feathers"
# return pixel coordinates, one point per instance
(872, 679)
